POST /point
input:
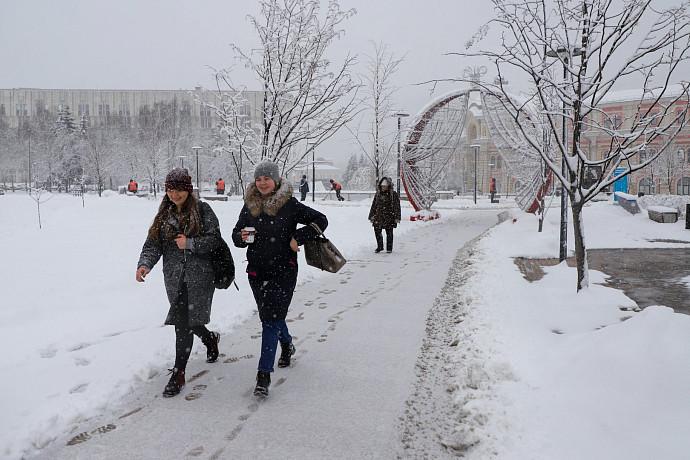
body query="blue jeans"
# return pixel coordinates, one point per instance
(272, 332)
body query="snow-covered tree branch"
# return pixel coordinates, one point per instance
(306, 100)
(580, 51)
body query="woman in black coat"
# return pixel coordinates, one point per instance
(274, 213)
(184, 232)
(385, 213)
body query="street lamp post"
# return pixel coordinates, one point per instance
(182, 157)
(399, 115)
(29, 186)
(196, 151)
(476, 148)
(564, 55)
(313, 171)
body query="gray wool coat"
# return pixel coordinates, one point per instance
(191, 265)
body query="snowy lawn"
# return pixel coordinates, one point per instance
(539, 371)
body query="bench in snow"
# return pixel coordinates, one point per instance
(663, 214)
(215, 198)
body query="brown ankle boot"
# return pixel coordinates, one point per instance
(175, 383)
(212, 347)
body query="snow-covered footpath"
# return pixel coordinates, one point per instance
(503, 368)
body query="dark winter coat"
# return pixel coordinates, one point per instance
(191, 265)
(304, 186)
(270, 257)
(385, 207)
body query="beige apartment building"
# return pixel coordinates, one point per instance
(619, 108)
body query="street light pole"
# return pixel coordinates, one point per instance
(196, 151)
(475, 147)
(182, 157)
(399, 115)
(564, 55)
(313, 171)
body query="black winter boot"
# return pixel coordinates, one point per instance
(175, 384)
(263, 381)
(212, 347)
(286, 350)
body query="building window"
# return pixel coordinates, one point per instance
(493, 162)
(245, 113)
(643, 156)
(103, 114)
(125, 114)
(499, 161)
(22, 110)
(646, 186)
(654, 121)
(612, 120)
(683, 186)
(472, 133)
(680, 115)
(3, 111)
(205, 114)
(83, 110)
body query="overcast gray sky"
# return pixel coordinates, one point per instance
(169, 44)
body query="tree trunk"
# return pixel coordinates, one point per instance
(580, 250)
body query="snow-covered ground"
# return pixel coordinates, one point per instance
(501, 368)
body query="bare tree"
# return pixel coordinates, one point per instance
(669, 165)
(598, 45)
(239, 138)
(305, 100)
(378, 94)
(157, 125)
(97, 155)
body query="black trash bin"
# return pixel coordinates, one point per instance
(687, 216)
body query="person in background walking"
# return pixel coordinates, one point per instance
(492, 189)
(337, 187)
(220, 187)
(184, 232)
(273, 213)
(133, 186)
(385, 213)
(303, 188)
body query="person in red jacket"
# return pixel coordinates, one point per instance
(220, 187)
(492, 189)
(133, 186)
(337, 187)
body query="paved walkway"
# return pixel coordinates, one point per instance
(354, 381)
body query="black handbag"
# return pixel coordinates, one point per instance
(223, 266)
(322, 253)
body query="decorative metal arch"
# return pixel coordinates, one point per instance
(436, 135)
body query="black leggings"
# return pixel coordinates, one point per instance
(184, 334)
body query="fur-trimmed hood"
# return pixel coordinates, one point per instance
(257, 204)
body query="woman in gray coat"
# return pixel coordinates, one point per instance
(184, 232)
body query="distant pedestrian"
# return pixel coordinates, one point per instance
(492, 189)
(220, 187)
(303, 188)
(271, 213)
(385, 213)
(184, 232)
(133, 186)
(337, 187)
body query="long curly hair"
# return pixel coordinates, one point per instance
(188, 218)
